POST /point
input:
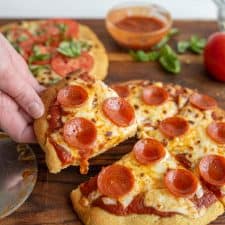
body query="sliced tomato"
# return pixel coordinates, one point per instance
(56, 30)
(115, 181)
(23, 38)
(63, 65)
(181, 182)
(71, 27)
(212, 169)
(72, 96)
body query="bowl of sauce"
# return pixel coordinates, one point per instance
(138, 26)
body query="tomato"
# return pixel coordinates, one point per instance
(55, 30)
(214, 56)
(63, 65)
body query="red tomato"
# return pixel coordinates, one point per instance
(214, 56)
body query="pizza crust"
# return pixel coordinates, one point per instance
(98, 216)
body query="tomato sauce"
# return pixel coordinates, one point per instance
(140, 24)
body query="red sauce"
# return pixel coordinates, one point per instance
(183, 160)
(64, 156)
(135, 207)
(89, 186)
(140, 24)
(206, 200)
(55, 117)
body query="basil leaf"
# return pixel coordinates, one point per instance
(165, 40)
(62, 27)
(197, 44)
(36, 69)
(40, 57)
(73, 48)
(183, 46)
(169, 60)
(142, 56)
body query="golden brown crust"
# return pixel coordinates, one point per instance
(98, 216)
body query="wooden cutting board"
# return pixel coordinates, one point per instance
(49, 203)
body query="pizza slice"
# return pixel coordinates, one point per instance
(153, 101)
(57, 47)
(83, 118)
(147, 186)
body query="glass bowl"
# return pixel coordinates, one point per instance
(137, 40)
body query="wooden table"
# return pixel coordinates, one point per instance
(49, 203)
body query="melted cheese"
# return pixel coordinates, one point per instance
(108, 134)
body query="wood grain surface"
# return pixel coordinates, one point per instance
(49, 203)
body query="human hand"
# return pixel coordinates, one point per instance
(19, 100)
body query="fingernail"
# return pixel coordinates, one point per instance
(35, 110)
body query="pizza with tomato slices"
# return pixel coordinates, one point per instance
(57, 47)
(83, 118)
(175, 173)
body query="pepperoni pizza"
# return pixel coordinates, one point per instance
(175, 173)
(83, 118)
(57, 47)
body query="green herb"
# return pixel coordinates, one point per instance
(183, 46)
(195, 44)
(35, 69)
(73, 48)
(165, 40)
(166, 57)
(142, 56)
(38, 56)
(169, 60)
(62, 27)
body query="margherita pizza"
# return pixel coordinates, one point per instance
(175, 173)
(57, 47)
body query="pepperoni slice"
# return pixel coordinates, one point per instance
(115, 181)
(181, 182)
(55, 117)
(121, 90)
(173, 127)
(148, 151)
(118, 111)
(212, 169)
(153, 95)
(72, 96)
(203, 102)
(216, 131)
(80, 133)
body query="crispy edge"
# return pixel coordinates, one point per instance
(98, 216)
(101, 62)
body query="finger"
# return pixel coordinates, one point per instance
(20, 90)
(19, 64)
(13, 122)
